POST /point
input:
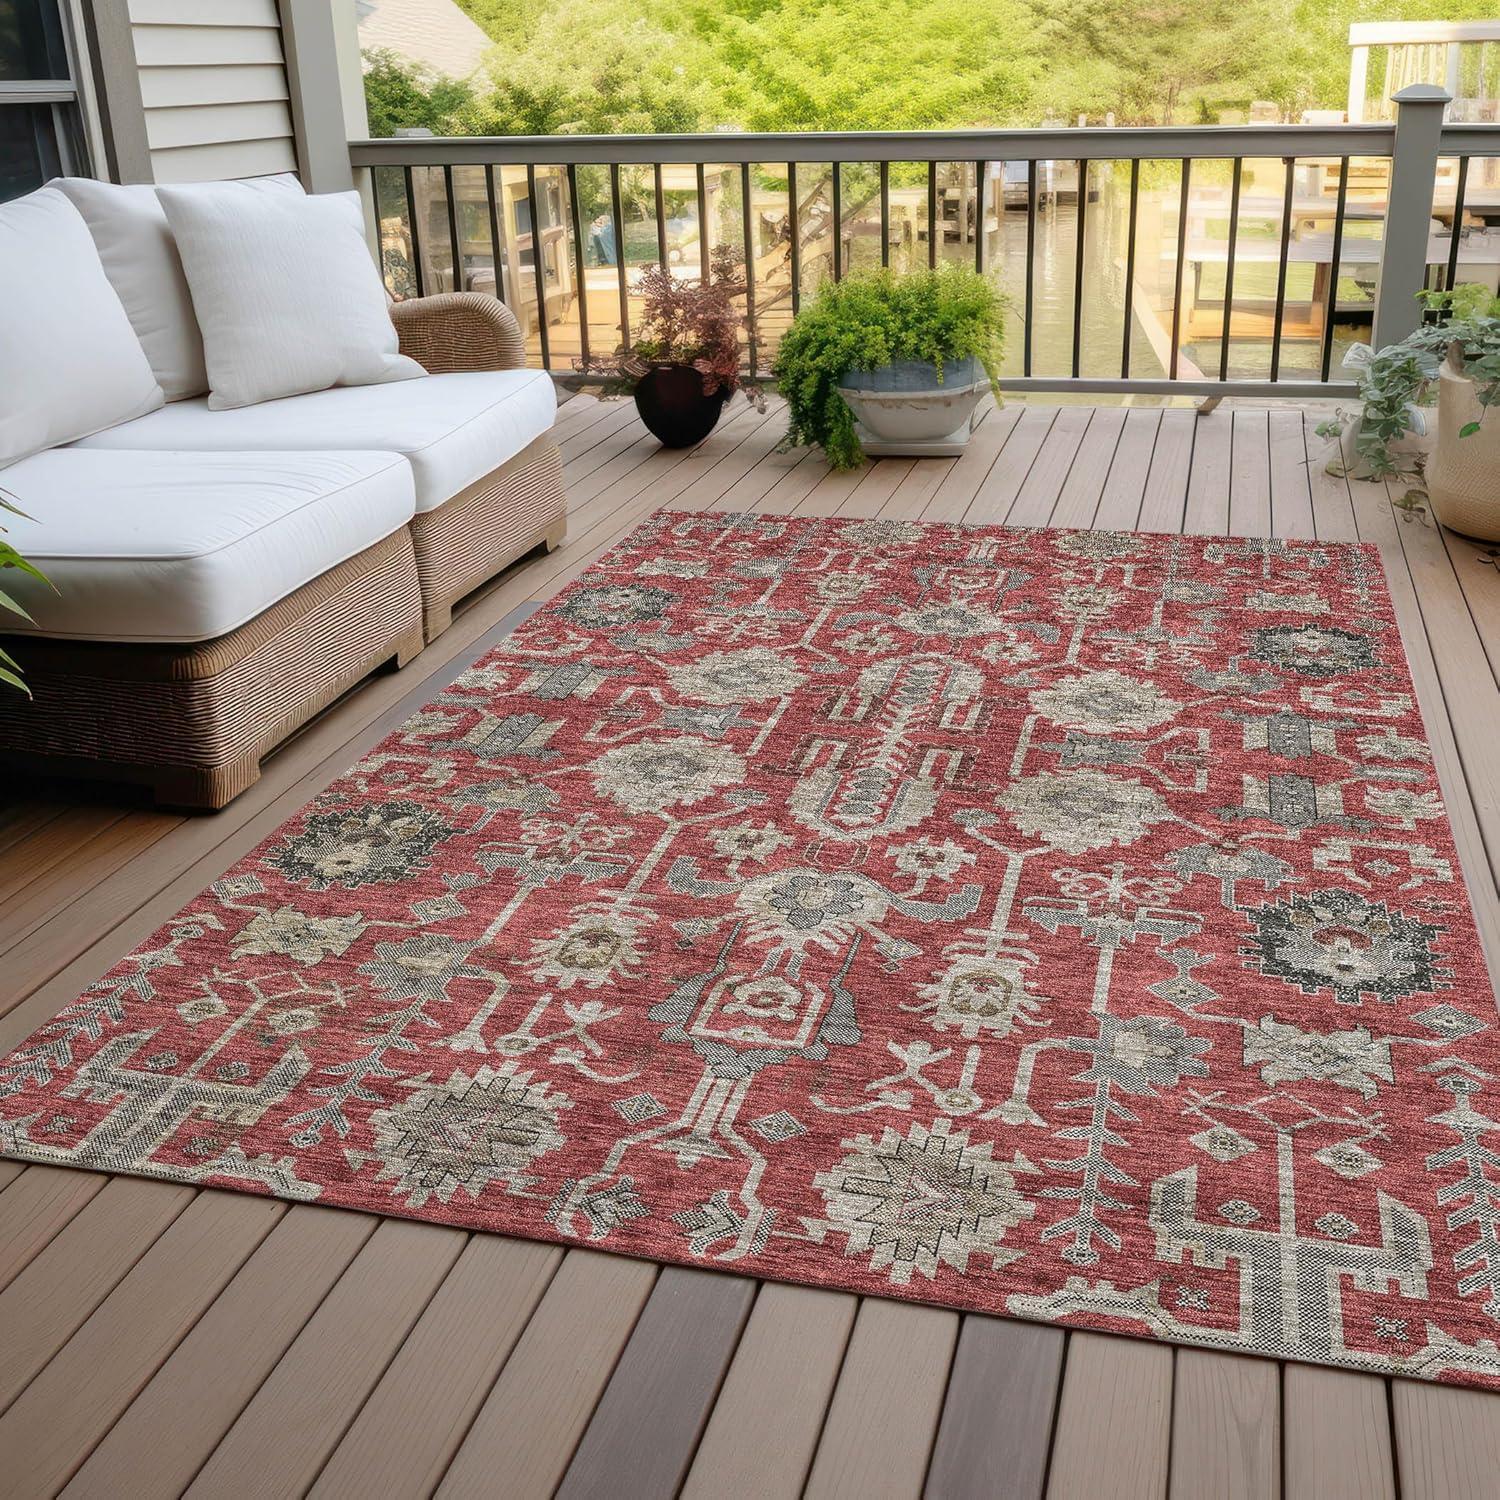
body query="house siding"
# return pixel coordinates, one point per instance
(214, 90)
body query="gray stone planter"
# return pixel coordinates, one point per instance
(903, 410)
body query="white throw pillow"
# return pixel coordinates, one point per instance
(140, 258)
(286, 292)
(70, 363)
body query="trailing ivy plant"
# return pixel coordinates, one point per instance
(10, 671)
(877, 318)
(1400, 375)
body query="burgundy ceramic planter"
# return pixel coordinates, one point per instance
(673, 405)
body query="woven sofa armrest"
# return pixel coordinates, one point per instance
(459, 331)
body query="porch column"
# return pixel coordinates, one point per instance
(310, 46)
(1408, 213)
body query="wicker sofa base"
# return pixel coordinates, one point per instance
(501, 517)
(191, 722)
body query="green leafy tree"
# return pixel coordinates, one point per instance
(866, 64)
(399, 95)
(611, 66)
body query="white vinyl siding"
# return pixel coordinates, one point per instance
(214, 88)
(175, 88)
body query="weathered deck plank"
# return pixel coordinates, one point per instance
(1113, 1420)
(646, 1427)
(886, 1404)
(168, 1432)
(1226, 1427)
(997, 1418)
(780, 1381)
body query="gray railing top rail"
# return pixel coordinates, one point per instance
(1464, 137)
(1065, 143)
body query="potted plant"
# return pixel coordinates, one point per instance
(880, 363)
(684, 363)
(1460, 359)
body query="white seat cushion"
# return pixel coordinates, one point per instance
(187, 546)
(453, 428)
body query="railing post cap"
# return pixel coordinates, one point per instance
(1422, 93)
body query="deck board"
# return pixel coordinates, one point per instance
(530, 1424)
(885, 1407)
(1113, 1421)
(646, 1427)
(280, 1442)
(781, 1381)
(154, 1337)
(1226, 1427)
(1336, 1435)
(408, 1431)
(172, 1427)
(996, 1428)
(40, 1205)
(90, 1382)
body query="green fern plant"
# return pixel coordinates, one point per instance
(10, 670)
(877, 318)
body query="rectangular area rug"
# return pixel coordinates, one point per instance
(1063, 925)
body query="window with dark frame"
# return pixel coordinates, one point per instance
(41, 132)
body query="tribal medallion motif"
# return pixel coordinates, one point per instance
(1057, 924)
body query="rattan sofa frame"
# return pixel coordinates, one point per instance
(191, 722)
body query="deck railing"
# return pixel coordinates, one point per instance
(1197, 261)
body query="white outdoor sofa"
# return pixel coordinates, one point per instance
(221, 576)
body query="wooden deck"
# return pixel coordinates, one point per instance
(155, 1339)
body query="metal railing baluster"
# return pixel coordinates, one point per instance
(837, 173)
(932, 255)
(494, 213)
(885, 213)
(661, 216)
(749, 264)
(1082, 227)
(1031, 211)
(796, 232)
(456, 272)
(416, 241)
(1183, 203)
(538, 267)
(703, 256)
(1331, 294)
(980, 169)
(1130, 224)
(1458, 218)
(617, 220)
(1282, 258)
(579, 269)
(1234, 231)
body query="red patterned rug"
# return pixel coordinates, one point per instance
(1060, 924)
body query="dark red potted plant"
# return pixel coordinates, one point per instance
(684, 364)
